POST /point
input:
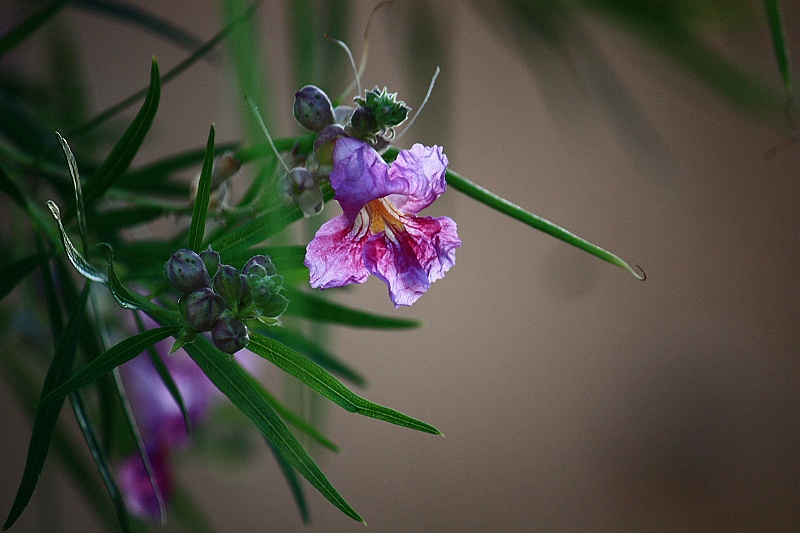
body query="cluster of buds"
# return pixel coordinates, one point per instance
(221, 302)
(373, 121)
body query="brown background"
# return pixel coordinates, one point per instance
(572, 397)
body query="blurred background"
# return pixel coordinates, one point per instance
(572, 397)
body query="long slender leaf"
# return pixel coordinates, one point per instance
(316, 308)
(150, 175)
(101, 460)
(232, 381)
(200, 210)
(294, 419)
(118, 354)
(490, 199)
(28, 26)
(126, 148)
(257, 230)
(290, 475)
(328, 386)
(10, 188)
(47, 414)
(124, 298)
(779, 42)
(83, 266)
(315, 352)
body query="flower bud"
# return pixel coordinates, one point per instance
(325, 142)
(186, 271)
(264, 264)
(363, 124)
(263, 289)
(342, 114)
(225, 166)
(230, 335)
(232, 286)
(202, 309)
(312, 108)
(210, 259)
(301, 188)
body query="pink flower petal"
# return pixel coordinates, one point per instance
(333, 257)
(421, 171)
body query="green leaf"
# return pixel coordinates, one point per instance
(290, 475)
(234, 382)
(13, 273)
(320, 380)
(101, 460)
(779, 43)
(24, 30)
(10, 188)
(44, 422)
(294, 419)
(490, 199)
(76, 185)
(117, 355)
(81, 265)
(316, 308)
(315, 352)
(257, 230)
(150, 176)
(126, 148)
(124, 298)
(200, 210)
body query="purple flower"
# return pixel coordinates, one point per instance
(379, 232)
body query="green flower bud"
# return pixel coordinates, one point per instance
(262, 261)
(186, 271)
(230, 335)
(210, 259)
(202, 309)
(312, 108)
(232, 286)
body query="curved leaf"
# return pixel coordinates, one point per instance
(81, 265)
(12, 273)
(76, 185)
(779, 43)
(28, 26)
(123, 297)
(328, 386)
(234, 383)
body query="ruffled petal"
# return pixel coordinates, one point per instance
(334, 256)
(418, 176)
(393, 260)
(359, 175)
(434, 241)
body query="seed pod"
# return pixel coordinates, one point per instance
(186, 271)
(202, 309)
(312, 108)
(230, 335)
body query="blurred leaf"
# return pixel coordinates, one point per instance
(44, 422)
(320, 380)
(81, 265)
(322, 310)
(256, 230)
(200, 210)
(126, 148)
(13, 273)
(109, 222)
(779, 42)
(187, 512)
(234, 382)
(123, 297)
(101, 460)
(514, 211)
(290, 475)
(117, 355)
(143, 19)
(10, 188)
(25, 29)
(150, 176)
